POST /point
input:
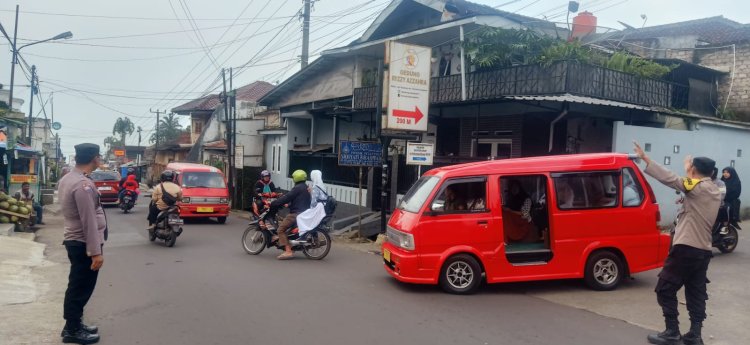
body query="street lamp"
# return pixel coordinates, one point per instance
(14, 60)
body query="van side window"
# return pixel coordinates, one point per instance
(462, 196)
(577, 191)
(632, 191)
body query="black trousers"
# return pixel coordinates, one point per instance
(153, 212)
(685, 266)
(81, 282)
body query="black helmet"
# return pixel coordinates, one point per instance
(167, 175)
(131, 171)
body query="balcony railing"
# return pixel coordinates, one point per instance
(559, 78)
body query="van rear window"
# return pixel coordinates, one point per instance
(418, 194)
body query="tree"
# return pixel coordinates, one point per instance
(123, 127)
(111, 142)
(169, 129)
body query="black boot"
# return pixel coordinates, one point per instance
(79, 336)
(670, 336)
(694, 336)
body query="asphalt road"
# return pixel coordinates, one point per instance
(206, 290)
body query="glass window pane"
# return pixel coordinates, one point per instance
(587, 190)
(632, 191)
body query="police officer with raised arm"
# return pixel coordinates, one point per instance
(85, 233)
(688, 259)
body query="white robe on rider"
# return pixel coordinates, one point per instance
(311, 218)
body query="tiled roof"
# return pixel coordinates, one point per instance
(254, 91)
(207, 103)
(251, 92)
(712, 30)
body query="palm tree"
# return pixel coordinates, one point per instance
(169, 129)
(123, 127)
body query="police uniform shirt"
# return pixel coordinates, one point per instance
(699, 209)
(84, 218)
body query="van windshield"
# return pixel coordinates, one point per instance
(203, 180)
(418, 194)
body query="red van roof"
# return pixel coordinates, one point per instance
(191, 167)
(558, 163)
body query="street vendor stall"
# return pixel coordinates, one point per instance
(25, 166)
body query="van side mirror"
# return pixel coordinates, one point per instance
(438, 207)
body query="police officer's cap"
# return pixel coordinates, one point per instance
(86, 152)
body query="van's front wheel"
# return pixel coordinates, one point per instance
(604, 271)
(461, 274)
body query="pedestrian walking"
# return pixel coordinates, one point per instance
(85, 233)
(687, 262)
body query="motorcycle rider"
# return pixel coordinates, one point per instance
(121, 184)
(130, 185)
(158, 202)
(299, 200)
(264, 185)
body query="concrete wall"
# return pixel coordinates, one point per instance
(298, 132)
(323, 131)
(718, 143)
(727, 59)
(248, 137)
(724, 59)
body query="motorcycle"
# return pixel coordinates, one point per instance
(315, 244)
(127, 201)
(168, 226)
(724, 234)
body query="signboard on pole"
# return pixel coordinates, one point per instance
(419, 153)
(239, 156)
(357, 153)
(119, 153)
(407, 87)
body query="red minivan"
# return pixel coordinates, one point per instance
(204, 191)
(590, 216)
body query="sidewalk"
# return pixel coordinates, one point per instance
(33, 276)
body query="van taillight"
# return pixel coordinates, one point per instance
(658, 214)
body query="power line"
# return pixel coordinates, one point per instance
(197, 32)
(114, 60)
(117, 17)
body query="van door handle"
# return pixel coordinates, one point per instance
(482, 222)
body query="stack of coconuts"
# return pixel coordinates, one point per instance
(11, 204)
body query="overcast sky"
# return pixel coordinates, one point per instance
(99, 75)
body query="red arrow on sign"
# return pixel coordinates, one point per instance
(416, 114)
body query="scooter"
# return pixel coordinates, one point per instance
(127, 201)
(168, 226)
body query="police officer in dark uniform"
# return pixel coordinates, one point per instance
(688, 259)
(85, 233)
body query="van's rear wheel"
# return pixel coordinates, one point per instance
(604, 271)
(461, 274)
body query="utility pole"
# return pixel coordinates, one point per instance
(157, 112)
(228, 125)
(13, 61)
(139, 135)
(233, 103)
(31, 103)
(306, 33)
